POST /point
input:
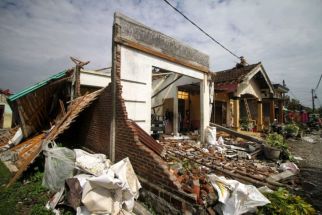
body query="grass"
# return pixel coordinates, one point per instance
(4, 174)
(26, 196)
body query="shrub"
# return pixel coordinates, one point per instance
(284, 203)
(291, 129)
(276, 140)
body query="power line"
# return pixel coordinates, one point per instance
(318, 83)
(293, 94)
(213, 39)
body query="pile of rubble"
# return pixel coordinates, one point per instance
(198, 167)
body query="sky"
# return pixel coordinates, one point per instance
(37, 37)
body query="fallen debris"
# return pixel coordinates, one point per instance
(237, 198)
(281, 176)
(98, 187)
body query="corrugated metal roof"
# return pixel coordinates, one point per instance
(36, 86)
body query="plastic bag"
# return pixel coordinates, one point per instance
(289, 166)
(91, 163)
(117, 187)
(211, 133)
(59, 165)
(237, 198)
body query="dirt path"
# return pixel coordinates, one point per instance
(310, 150)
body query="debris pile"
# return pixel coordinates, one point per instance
(82, 179)
(199, 169)
(96, 186)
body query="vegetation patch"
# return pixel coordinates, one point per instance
(284, 203)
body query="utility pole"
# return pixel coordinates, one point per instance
(313, 97)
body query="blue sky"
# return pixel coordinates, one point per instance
(37, 37)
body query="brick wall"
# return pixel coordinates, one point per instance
(92, 130)
(148, 165)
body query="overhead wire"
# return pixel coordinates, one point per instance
(293, 94)
(203, 31)
(318, 82)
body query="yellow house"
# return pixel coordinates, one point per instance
(243, 93)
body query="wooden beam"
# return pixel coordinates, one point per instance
(237, 134)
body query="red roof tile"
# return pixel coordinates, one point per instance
(234, 75)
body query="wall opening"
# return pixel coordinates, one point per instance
(175, 103)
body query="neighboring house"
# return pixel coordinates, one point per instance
(244, 93)
(280, 99)
(5, 110)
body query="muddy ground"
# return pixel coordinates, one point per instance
(309, 148)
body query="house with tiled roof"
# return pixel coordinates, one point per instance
(244, 94)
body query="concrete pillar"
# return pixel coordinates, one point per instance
(236, 113)
(175, 113)
(204, 106)
(272, 111)
(259, 116)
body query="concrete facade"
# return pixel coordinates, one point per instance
(6, 118)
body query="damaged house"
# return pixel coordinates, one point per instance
(161, 79)
(155, 85)
(153, 77)
(246, 94)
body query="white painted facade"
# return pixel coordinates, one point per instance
(94, 78)
(7, 115)
(249, 87)
(136, 76)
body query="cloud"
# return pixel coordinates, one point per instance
(37, 37)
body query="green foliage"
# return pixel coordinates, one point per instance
(276, 140)
(284, 203)
(25, 198)
(291, 129)
(40, 209)
(4, 174)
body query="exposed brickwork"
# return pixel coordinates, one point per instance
(92, 130)
(96, 124)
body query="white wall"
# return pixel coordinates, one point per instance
(7, 115)
(94, 79)
(137, 66)
(249, 87)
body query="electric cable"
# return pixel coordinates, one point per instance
(203, 31)
(318, 83)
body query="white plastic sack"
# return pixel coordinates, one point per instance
(289, 166)
(237, 198)
(115, 187)
(16, 138)
(211, 133)
(131, 185)
(59, 165)
(92, 163)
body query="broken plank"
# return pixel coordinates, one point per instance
(237, 134)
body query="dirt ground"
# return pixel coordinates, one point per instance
(310, 150)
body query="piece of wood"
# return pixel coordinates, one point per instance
(281, 176)
(237, 134)
(62, 107)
